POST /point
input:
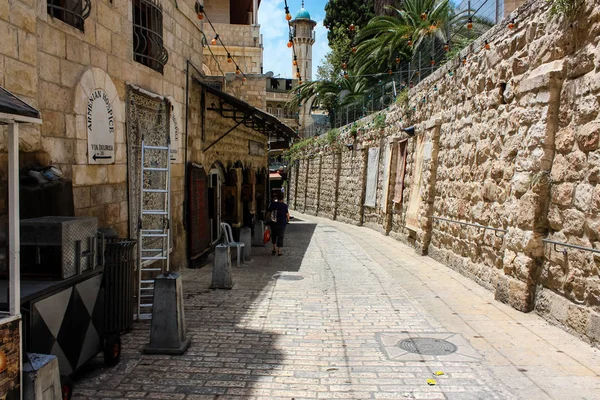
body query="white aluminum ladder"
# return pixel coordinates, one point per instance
(154, 224)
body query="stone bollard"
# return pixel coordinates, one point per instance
(221, 275)
(167, 332)
(259, 234)
(246, 238)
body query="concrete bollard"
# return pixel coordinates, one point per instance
(246, 238)
(167, 332)
(259, 234)
(221, 275)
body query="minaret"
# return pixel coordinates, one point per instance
(303, 40)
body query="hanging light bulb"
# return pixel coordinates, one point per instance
(300, 81)
(352, 28)
(288, 16)
(511, 24)
(229, 59)
(409, 43)
(433, 26)
(417, 73)
(424, 15)
(346, 75)
(432, 61)
(199, 10)
(344, 65)
(244, 79)
(237, 70)
(450, 73)
(464, 60)
(435, 88)
(390, 71)
(447, 46)
(214, 41)
(470, 23)
(487, 45)
(295, 62)
(397, 60)
(353, 49)
(411, 85)
(424, 100)
(290, 44)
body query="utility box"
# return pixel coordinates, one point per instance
(41, 377)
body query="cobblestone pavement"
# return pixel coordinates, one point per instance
(335, 318)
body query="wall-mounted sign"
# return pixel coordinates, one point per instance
(100, 123)
(256, 148)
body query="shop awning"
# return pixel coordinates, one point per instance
(252, 117)
(13, 109)
(12, 112)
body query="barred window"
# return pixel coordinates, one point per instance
(148, 46)
(72, 12)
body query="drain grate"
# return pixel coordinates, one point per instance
(288, 277)
(427, 346)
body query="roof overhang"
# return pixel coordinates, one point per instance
(15, 110)
(252, 117)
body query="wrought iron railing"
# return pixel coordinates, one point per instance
(72, 12)
(148, 48)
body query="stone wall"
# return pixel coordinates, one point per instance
(507, 140)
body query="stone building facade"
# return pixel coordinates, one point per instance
(503, 161)
(64, 69)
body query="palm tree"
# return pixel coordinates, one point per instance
(330, 94)
(417, 24)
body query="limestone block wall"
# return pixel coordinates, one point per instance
(313, 186)
(350, 186)
(509, 140)
(328, 185)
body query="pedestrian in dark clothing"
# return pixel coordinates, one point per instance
(280, 221)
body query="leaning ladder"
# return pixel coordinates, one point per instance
(154, 233)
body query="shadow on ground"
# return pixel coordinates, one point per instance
(231, 352)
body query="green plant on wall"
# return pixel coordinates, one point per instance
(566, 8)
(379, 121)
(402, 98)
(354, 131)
(332, 135)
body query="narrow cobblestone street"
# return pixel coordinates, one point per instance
(333, 319)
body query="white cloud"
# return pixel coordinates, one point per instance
(274, 28)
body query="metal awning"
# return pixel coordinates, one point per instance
(13, 109)
(252, 117)
(12, 112)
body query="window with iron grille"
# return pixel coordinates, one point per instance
(72, 12)
(148, 46)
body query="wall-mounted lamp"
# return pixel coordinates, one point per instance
(410, 131)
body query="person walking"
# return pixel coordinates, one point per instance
(280, 220)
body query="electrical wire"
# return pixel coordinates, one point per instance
(218, 37)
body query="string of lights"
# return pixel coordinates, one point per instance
(201, 12)
(290, 44)
(205, 43)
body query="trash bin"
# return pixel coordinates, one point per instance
(119, 281)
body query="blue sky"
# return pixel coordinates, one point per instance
(273, 26)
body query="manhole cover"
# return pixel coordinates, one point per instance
(288, 277)
(427, 346)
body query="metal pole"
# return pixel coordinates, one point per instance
(497, 12)
(13, 220)
(419, 65)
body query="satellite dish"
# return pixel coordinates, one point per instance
(269, 74)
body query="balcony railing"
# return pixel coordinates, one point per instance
(72, 12)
